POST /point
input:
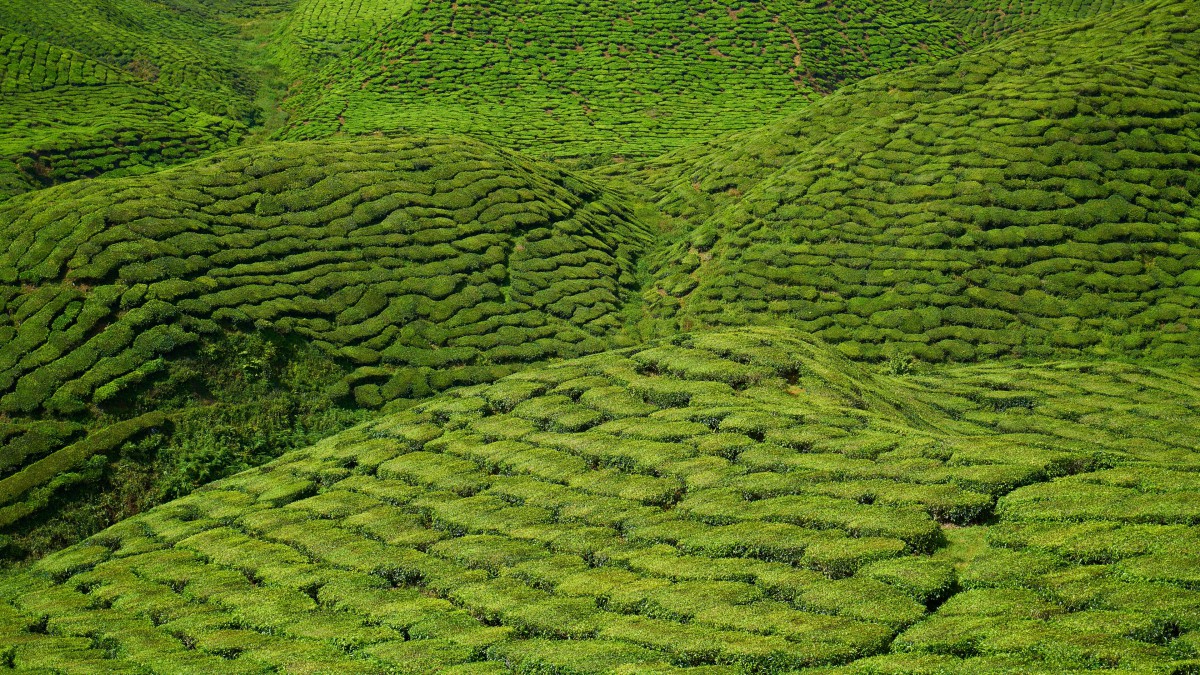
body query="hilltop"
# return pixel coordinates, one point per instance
(739, 501)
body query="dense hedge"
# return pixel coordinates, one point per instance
(1037, 197)
(742, 501)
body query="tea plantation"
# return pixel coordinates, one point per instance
(586, 80)
(66, 116)
(1028, 207)
(744, 501)
(561, 336)
(408, 266)
(124, 86)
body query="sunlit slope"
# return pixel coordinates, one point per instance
(65, 116)
(591, 80)
(412, 265)
(744, 501)
(1038, 196)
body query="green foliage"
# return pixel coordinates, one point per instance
(468, 533)
(989, 205)
(514, 497)
(363, 285)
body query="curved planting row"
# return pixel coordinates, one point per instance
(743, 501)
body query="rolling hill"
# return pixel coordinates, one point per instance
(387, 269)
(737, 501)
(732, 337)
(1034, 197)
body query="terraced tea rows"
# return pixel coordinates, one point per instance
(1029, 208)
(594, 80)
(515, 498)
(417, 264)
(66, 116)
(743, 501)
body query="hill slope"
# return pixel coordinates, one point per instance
(125, 86)
(983, 20)
(389, 269)
(66, 116)
(189, 49)
(748, 501)
(622, 78)
(1038, 195)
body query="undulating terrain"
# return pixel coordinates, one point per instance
(580, 337)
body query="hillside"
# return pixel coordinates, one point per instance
(745, 501)
(124, 86)
(66, 116)
(193, 50)
(983, 21)
(1037, 196)
(626, 78)
(737, 337)
(386, 270)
